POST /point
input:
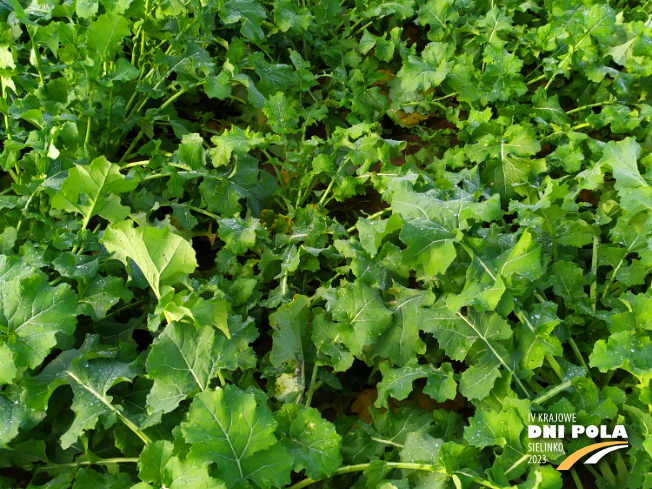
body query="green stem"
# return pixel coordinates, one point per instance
(163, 106)
(326, 192)
(89, 121)
(108, 122)
(311, 389)
(111, 407)
(4, 97)
(607, 378)
(621, 467)
(578, 483)
(539, 297)
(155, 176)
(37, 56)
(205, 212)
(552, 392)
(278, 172)
(555, 366)
(578, 353)
(142, 39)
(387, 442)
(593, 291)
(594, 472)
(539, 78)
(444, 97)
(372, 216)
(360, 29)
(106, 461)
(135, 163)
(349, 469)
(132, 146)
(605, 469)
(598, 104)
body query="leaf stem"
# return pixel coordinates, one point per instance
(444, 97)
(205, 212)
(89, 121)
(593, 290)
(372, 216)
(578, 353)
(577, 480)
(279, 174)
(37, 55)
(605, 469)
(539, 78)
(387, 442)
(597, 104)
(311, 388)
(130, 424)
(554, 365)
(348, 469)
(4, 97)
(106, 461)
(328, 189)
(142, 30)
(552, 392)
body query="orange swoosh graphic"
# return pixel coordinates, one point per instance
(574, 457)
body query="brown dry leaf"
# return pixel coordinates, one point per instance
(388, 76)
(361, 405)
(410, 119)
(211, 236)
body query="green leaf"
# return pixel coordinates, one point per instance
(568, 282)
(362, 316)
(92, 478)
(372, 233)
(101, 294)
(507, 159)
(7, 368)
(458, 334)
(310, 440)
(328, 342)
(191, 151)
(401, 342)
(90, 380)
(439, 16)
(627, 350)
(106, 33)
(236, 141)
(181, 361)
(427, 71)
(227, 427)
(32, 313)
(86, 8)
(281, 115)
(157, 465)
(430, 247)
(249, 12)
(534, 335)
(93, 190)
(163, 257)
(397, 382)
(524, 259)
(291, 333)
(288, 17)
(499, 428)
